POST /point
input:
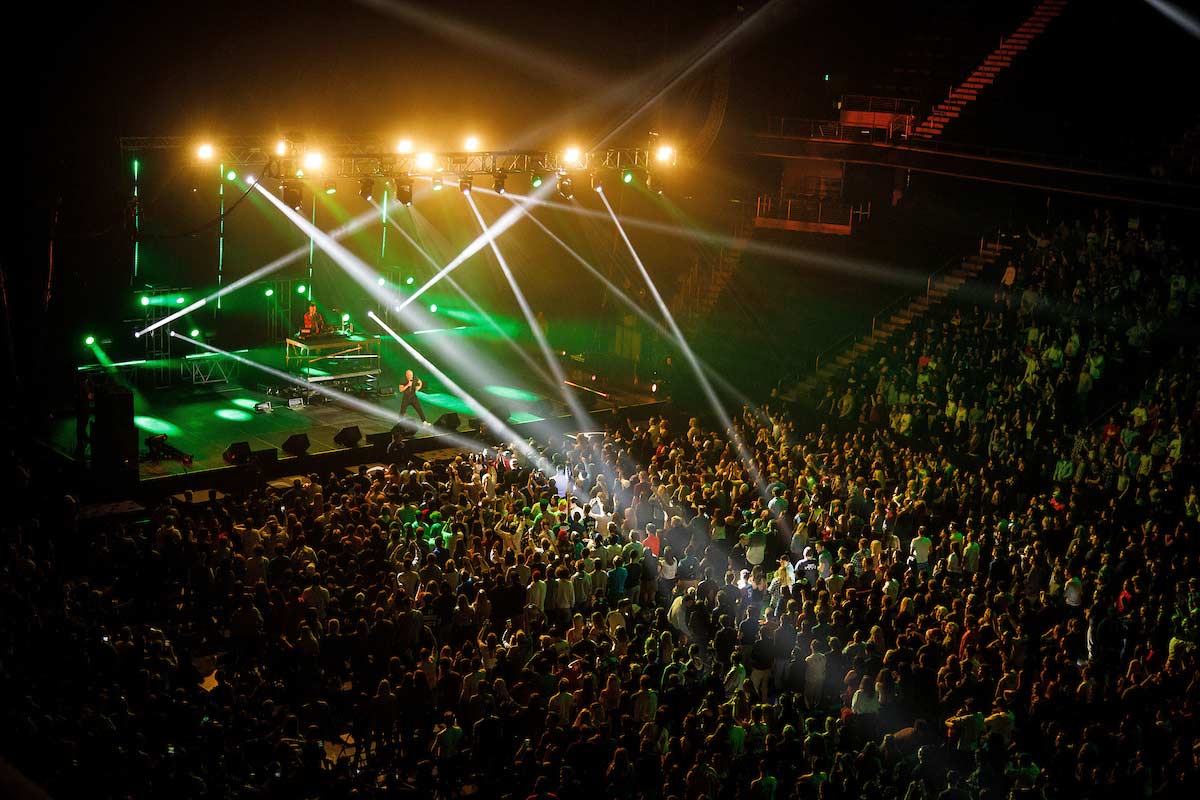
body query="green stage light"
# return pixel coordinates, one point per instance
(627, 176)
(269, 292)
(231, 175)
(178, 301)
(382, 281)
(330, 187)
(536, 181)
(433, 308)
(301, 289)
(145, 300)
(409, 281)
(345, 317)
(195, 333)
(89, 340)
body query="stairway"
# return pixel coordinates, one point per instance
(706, 280)
(997, 61)
(895, 323)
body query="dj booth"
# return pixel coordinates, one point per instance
(333, 357)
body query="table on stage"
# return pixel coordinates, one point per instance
(348, 355)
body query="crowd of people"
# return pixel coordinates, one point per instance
(956, 583)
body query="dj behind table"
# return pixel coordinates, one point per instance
(333, 355)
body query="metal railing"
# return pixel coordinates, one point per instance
(804, 209)
(880, 105)
(831, 130)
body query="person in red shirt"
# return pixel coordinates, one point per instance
(314, 323)
(651, 541)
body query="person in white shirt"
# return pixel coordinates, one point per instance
(920, 548)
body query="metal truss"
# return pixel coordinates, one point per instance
(369, 157)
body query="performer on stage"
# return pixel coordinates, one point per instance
(314, 322)
(409, 390)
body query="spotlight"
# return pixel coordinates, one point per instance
(404, 193)
(565, 188)
(269, 292)
(598, 182)
(293, 195)
(404, 146)
(345, 317)
(231, 175)
(179, 301)
(195, 333)
(313, 160)
(536, 180)
(89, 340)
(204, 152)
(145, 300)
(471, 143)
(409, 281)
(424, 160)
(654, 388)
(330, 187)
(433, 308)
(437, 184)
(464, 184)
(366, 188)
(665, 154)
(572, 156)
(382, 281)
(627, 176)
(301, 288)
(498, 178)
(250, 179)
(281, 148)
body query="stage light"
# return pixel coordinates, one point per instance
(536, 180)
(404, 193)
(204, 152)
(345, 317)
(404, 146)
(464, 184)
(472, 144)
(250, 179)
(424, 160)
(178, 301)
(498, 178)
(382, 281)
(572, 156)
(565, 188)
(366, 188)
(665, 154)
(598, 182)
(231, 175)
(281, 148)
(330, 187)
(195, 333)
(293, 195)
(654, 388)
(437, 184)
(145, 300)
(409, 281)
(627, 176)
(433, 308)
(89, 340)
(313, 160)
(301, 288)
(269, 292)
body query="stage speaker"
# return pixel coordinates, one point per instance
(114, 436)
(296, 444)
(382, 439)
(266, 456)
(237, 453)
(447, 422)
(348, 437)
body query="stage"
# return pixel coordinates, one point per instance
(203, 420)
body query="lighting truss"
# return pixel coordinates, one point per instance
(372, 157)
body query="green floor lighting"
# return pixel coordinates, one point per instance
(89, 340)
(269, 292)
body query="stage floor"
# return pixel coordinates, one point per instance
(204, 420)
